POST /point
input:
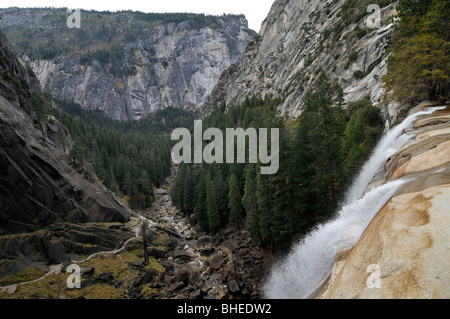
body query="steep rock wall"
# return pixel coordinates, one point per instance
(298, 39)
(45, 200)
(177, 64)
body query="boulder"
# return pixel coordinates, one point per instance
(216, 261)
(182, 255)
(207, 251)
(233, 286)
(86, 270)
(160, 191)
(259, 254)
(176, 286)
(203, 241)
(137, 264)
(10, 290)
(217, 240)
(189, 234)
(231, 244)
(86, 283)
(196, 294)
(57, 252)
(194, 276)
(149, 276)
(205, 266)
(181, 275)
(193, 220)
(105, 278)
(190, 273)
(157, 253)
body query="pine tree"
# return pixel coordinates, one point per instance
(120, 168)
(211, 205)
(114, 186)
(360, 137)
(238, 170)
(263, 193)
(250, 203)
(127, 183)
(62, 139)
(221, 195)
(200, 206)
(188, 192)
(120, 152)
(283, 215)
(317, 155)
(419, 67)
(179, 187)
(146, 189)
(234, 203)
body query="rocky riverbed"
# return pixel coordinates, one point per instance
(201, 265)
(184, 262)
(224, 265)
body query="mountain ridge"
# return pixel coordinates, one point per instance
(127, 64)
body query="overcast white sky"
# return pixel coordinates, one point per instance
(255, 10)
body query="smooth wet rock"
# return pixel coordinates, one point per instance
(408, 239)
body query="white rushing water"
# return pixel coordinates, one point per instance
(303, 271)
(387, 147)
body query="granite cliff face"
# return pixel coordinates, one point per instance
(158, 61)
(45, 200)
(408, 239)
(298, 39)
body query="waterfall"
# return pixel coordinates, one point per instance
(303, 271)
(387, 147)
